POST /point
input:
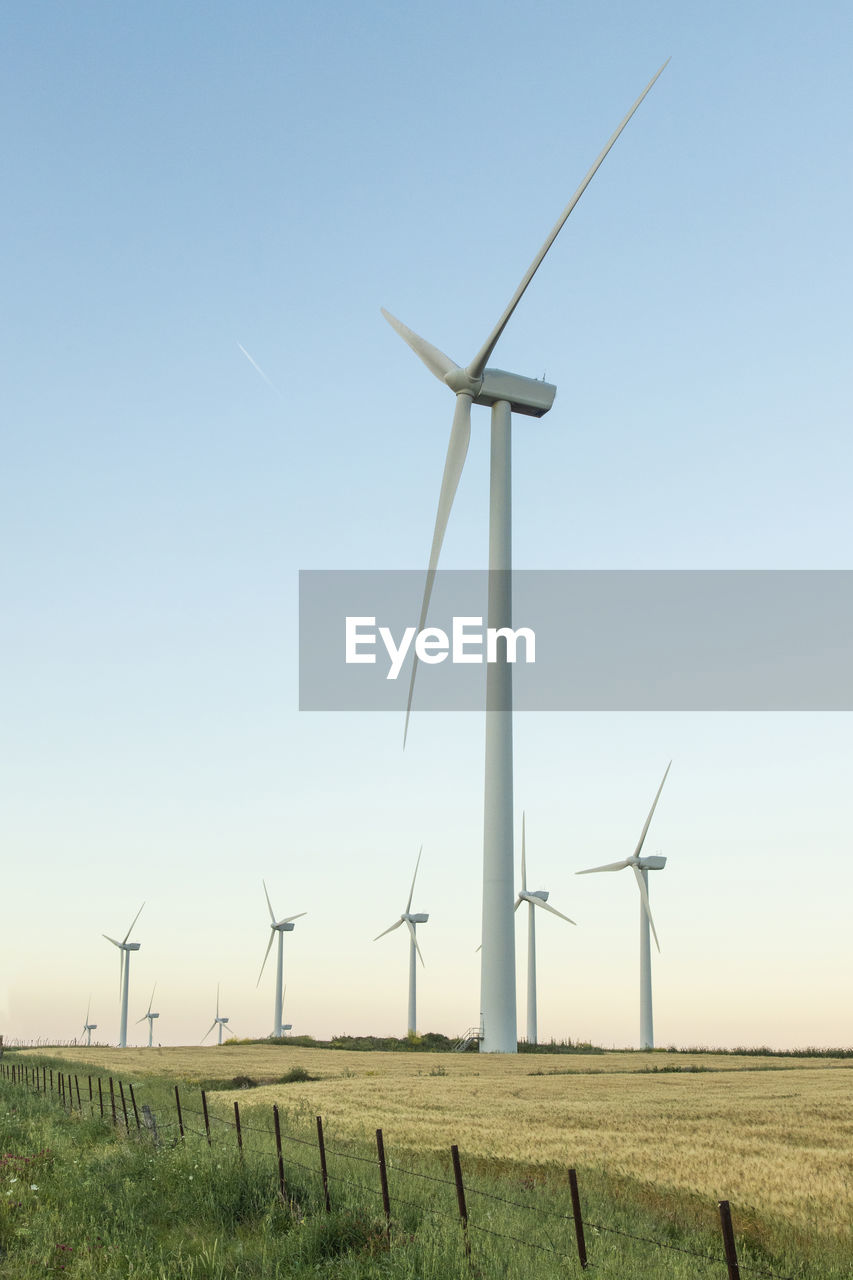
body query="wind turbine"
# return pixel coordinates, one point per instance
(124, 974)
(221, 1022)
(641, 868)
(504, 393)
(89, 1027)
(410, 919)
(280, 927)
(150, 1016)
(534, 898)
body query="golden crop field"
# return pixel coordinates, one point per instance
(775, 1134)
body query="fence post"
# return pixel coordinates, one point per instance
(113, 1101)
(729, 1240)
(150, 1123)
(383, 1179)
(91, 1095)
(460, 1198)
(100, 1097)
(51, 1079)
(239, 1130)
(576, 1213)
(206, 1116)
(77, 1087)
(323, 1170)
(180, 1117)
(278, 1151)
(123, 1106)
(133, 1100)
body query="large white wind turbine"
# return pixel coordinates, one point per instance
(150, 1016)
(217, 1021)
(534, 898)
(125, 949)
(504, 393)
(411, 920)
(89, 1027)
(280, 927)
(641, 868)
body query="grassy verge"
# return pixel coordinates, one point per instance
(82, 1198)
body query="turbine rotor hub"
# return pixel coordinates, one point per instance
(460, 381)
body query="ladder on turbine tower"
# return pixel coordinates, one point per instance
(472, 1036)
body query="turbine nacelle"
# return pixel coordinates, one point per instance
(529, 396)
(286, 926)
(419, 917)
(655, 863)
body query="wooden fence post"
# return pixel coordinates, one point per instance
(133, 1100)
(206, 1116)
(576, 1213)
(150, 1124)
(77, 1087)
(239, 1130)
(113, 1101)
(383, 1179)
(100, 1097)
(180, 1116)
(729, 1240)
(460, 1198)
(321, 1143)
(278, 1151)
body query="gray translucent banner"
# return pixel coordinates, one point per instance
(601, 640)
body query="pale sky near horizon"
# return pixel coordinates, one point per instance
(206, 207)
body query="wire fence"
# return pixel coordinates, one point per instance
(114, 1102)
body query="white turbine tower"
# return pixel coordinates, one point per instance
(89, 1027)
(150, 1016)
(641, 868)
(411, 920)
(280, 927)
(534, 898)
(504, 393)
(217, 1021)
(125, 949)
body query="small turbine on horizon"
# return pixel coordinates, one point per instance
(89, 1027)
(411, 920)
(280, 927)
(150, 1016)
(534, 898)
(641, 868)
(125, 949)
(505, 394)
(217, 1021)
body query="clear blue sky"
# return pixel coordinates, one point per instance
(181, 180)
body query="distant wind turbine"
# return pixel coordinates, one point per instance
(411, 920)
(217, 1021)
(89, 1027)
(125, 949)
(641, 868)
(534, 898)
(150, 1016)
(280, 927)
(504, 393)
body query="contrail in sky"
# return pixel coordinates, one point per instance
(255, 365)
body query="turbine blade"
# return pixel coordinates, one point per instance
(132, 923)
(290, 919)
(478, 364)
(436, 361)
(457, 450)
(651, 811)
(151, 1001)
(641, 884)
(518, 902)
(610, 866)
(142, 1019)
(415, 940)
(207, 1032)
(537, 902)
(414, 878)
(112, 940)
(523, 854)
(269, 904)
(88, 1007)
(217, 1002)
(266, 954)
(391, 930)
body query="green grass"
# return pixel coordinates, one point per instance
(81, 1198)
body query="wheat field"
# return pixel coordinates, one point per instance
(774, 1135)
